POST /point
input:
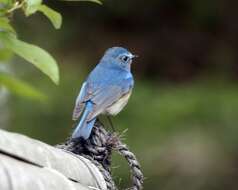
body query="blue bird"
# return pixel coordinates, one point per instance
(105, 91)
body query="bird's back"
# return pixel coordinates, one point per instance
(108, 76)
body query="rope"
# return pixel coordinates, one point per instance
(98, 149)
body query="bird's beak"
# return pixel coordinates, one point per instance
(133, 56)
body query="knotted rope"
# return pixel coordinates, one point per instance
(98, 148)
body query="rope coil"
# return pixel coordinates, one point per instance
(98, 149)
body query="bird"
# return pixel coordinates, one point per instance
(106, 90)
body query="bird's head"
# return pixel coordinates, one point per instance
(118, 57)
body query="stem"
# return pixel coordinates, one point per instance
(17, 5)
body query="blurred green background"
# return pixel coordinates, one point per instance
(183, 114)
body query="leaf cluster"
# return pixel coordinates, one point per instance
(10, 44)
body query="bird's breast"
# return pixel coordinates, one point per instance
(117, 106)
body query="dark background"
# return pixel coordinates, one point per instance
(183, 114)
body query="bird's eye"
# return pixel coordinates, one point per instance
(124, 58)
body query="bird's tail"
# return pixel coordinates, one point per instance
(84, 127)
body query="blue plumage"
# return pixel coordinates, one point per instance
(105, 91)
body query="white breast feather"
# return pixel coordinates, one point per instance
(115, 108)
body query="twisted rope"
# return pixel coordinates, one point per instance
(98, 148)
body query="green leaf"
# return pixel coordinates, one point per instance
(4, 1)
(55, 17)
(5, 4)
(20, 88)
(5, 25)
(31, 6)
(95, 1)
(5, 55)
(35, 55)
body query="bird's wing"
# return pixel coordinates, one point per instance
(108, 95)
(84, 94)
(87, 91)
(104, 98)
